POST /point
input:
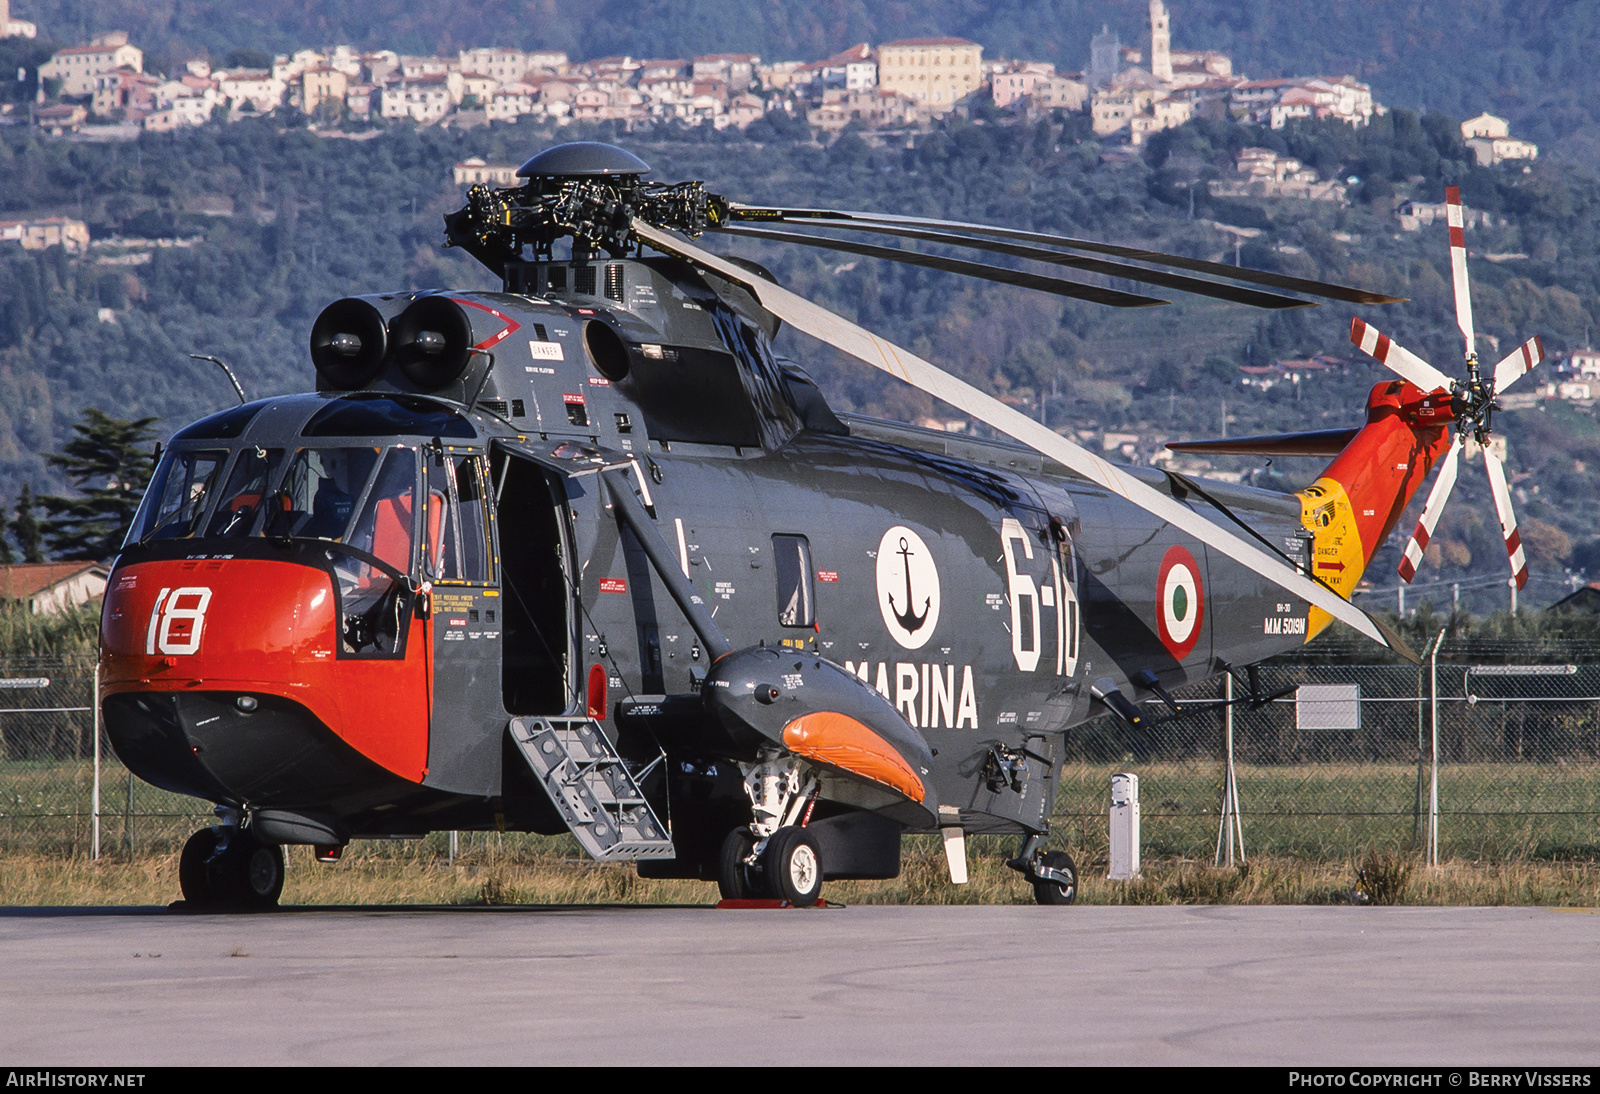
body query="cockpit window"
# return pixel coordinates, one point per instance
(242, 497)
(318, 496)
(181, 492)
(385, 526)
(359, 416)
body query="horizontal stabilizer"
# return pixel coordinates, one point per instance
(1316, 442)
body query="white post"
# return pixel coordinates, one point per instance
(1231, 826)
(94, 798)
(1513, 583)
(454, 846)
(1433, 717)
(1124, 827)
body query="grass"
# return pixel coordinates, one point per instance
(546, 870)
(1313, 832)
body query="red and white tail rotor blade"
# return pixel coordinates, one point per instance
(1457, 221)
(1376, 344)
(1440, 494)
(1518, 363)
(1508, 517)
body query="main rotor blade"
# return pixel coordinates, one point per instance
(844, 219)
(1440, 494)
(882, 354)
(1234, 293)
(1518, 363)
(1413, 368)
(1458, 264)
(1092, 293)
(1508, 517)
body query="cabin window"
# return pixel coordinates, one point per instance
(791, 558)
(458, 533)
(183, 490)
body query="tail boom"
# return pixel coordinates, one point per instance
(1354, 504)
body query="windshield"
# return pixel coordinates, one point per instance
(318, 496)
(363, 496)
(247, 488)
(181, 491)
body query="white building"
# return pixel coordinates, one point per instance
(14, 28)
(510, 102)
(1013, 80)
(474, 170)
(1491, 141)
(1584, 363)
(181, 103)
(424, 99)
(79, 67)
(49, 588)
(37, 234)
(504, 66)
(255, 88)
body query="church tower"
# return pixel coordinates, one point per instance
(1105, 57)
(1160, 41)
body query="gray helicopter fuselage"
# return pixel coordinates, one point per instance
(1011, 591)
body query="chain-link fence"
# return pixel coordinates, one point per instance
(1491, 761)
(59, 793)
(1327, 759)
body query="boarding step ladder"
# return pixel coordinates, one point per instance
(592, 788)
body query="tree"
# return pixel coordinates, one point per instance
(109, 463)
(26, 527)
(7, 555)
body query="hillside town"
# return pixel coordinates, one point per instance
(101, 88)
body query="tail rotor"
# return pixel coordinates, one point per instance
(1472, 404)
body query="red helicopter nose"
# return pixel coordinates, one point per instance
(263, 628)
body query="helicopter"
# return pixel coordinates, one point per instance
(587, 555)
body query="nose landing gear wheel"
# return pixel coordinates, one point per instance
(194, 872)
(737, 879)
(257, 874)
(1047, 890)
(229, 869)
(793, 866)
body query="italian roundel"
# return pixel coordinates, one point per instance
(1180, 602)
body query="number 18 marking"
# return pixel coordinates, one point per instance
(174, 628)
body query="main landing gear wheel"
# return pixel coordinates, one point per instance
(1047, 890)
(737, 879)
(793, 866)
(229, 869)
